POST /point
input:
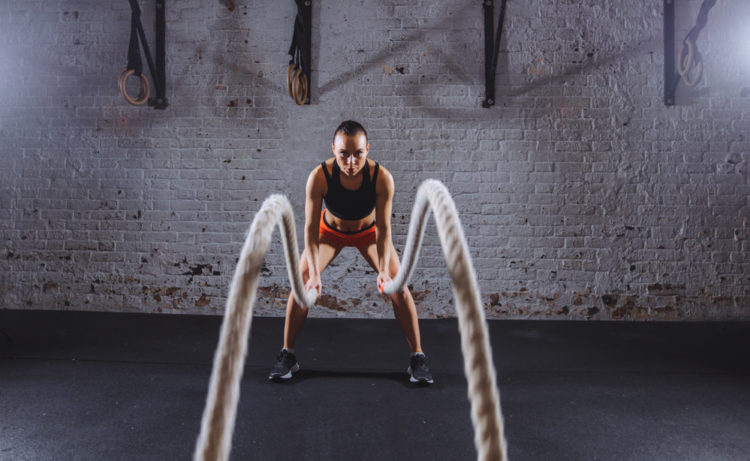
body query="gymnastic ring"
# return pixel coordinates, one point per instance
(295, 83)
(289, 77)
(698, 72)
(145, 88)
(685, 63)
(303, 89)
(299, 87)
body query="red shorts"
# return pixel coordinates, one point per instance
(360, 239)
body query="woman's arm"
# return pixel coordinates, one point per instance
(384, 190)
(314, 191)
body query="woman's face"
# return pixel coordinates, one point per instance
(350, 152)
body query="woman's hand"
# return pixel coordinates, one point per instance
(383, 278)
(314, 283)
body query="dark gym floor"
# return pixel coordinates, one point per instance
(106, 386)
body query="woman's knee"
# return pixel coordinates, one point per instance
(400, 296)
(295, 305)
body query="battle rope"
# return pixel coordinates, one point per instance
(479, 369)
(214, 441)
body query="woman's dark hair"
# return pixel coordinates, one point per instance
(349, 128)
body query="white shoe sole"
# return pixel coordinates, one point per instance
(294, 369)
(415, 380)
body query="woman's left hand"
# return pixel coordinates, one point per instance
(383, 278)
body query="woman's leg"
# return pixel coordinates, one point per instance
(403, 303)
(295, 313)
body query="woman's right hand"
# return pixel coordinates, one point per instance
(314, 283)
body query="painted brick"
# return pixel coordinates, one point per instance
(577, 184)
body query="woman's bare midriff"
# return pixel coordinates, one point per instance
(346, 225)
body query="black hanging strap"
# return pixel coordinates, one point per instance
(491, 48)
(297, 39)
(300, 51)
(498, 35)
(136, 18)
(700, 23)
(160, 78)
(671, 76)
(134, 52)
(158, 74)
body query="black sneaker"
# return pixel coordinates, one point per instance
(286, 364)
(419, 372)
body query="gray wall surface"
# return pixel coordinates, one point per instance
(581, 194)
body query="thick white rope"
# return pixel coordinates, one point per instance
(214, 441)
(479, 369)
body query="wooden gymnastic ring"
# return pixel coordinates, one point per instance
(145, 88)
(691, 60)
(698, 72)
(295, 84)
(290, 77)
(685, 63)
(305, 88)
(299, 87)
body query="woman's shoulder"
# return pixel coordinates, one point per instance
(384, 181)
(381, 169)
(327, 164)
(317, 177)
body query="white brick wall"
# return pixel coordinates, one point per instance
(582, 195)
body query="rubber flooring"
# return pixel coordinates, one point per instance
(110, 386)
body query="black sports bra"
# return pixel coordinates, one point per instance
(350, 204)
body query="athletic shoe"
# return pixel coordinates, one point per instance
(419, 372)
(286, 364)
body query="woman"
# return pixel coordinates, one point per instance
(358, 195)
